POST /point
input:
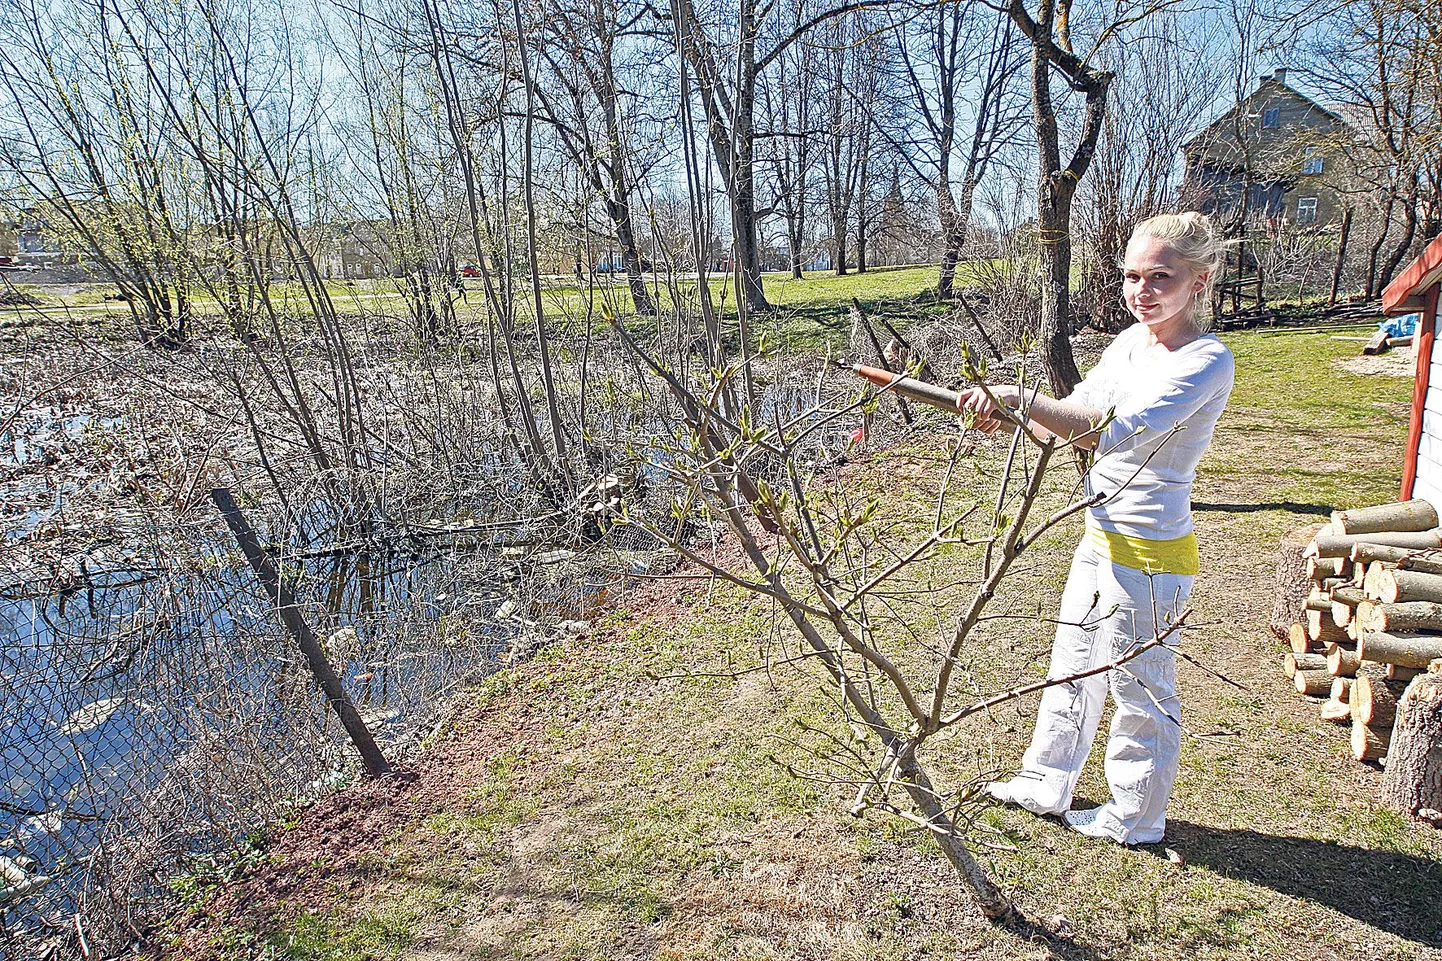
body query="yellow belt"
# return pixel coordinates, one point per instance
(1178, 555)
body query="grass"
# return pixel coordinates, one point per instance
(597, 802)
(810, 314)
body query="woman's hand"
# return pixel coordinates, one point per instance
(975, 400)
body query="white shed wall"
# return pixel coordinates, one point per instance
(1429, 446)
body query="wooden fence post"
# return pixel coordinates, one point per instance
(283, 597)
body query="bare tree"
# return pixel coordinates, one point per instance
(586, 108)
(1049, 32)
(1164, 86)
(788, 96)
(958, 63)
(1378, 61)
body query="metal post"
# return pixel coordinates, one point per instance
(283, 597)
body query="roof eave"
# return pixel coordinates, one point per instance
(1406, 293)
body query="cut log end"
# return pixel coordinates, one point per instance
(1368, 743)
(1312, 683)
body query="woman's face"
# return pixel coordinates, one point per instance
(1157, 284)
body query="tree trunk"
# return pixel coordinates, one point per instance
(1291, 582)
(1399, 585)
(1340, 545)
(1341, 260)
(1406, 616)
(951, 233)
(838, 241)
(1413, 782)
(1312, 683)
(1409, 231)
(641, 298)
(1298, 639)
(1054, 328)
(1342, 661)
(1292, 663)
(1375, 252)
(1368, 743)
(995, 905)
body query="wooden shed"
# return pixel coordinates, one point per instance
(1416, 290)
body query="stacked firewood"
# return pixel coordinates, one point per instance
(1373, 618)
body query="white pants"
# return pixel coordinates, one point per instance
(1107, 610)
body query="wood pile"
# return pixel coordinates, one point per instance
(1372, 617)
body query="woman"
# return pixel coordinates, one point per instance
(1164, 381)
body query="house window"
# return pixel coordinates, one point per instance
(1311, 161)
(1307, 210)
(1272, 117)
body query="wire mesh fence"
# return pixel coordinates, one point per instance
(154, 718)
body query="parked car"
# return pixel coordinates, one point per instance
(470, 270)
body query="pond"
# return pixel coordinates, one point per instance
(154, 716)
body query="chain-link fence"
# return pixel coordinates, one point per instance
(156, 716)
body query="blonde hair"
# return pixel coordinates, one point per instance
(1193, 238)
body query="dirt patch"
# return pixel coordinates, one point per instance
(1394, 363)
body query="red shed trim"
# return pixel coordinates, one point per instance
(1405, 294)
(1426, 334)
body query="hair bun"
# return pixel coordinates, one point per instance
(1196, 218)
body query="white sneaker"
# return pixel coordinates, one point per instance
(1087, 822)
(1094, 824)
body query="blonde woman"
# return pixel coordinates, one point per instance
(1164, 382)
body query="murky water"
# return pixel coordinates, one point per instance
(173, 709)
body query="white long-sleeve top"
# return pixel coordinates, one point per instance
(1146, 467)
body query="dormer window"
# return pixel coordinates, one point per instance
(1272, 117)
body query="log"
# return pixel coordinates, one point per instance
(1395, 673)
(1298, 640)
(1366, 552)
(1413, 782)
(1320, 567)
(1428, 562)
(1312, 683)
(1403, 650)
(1292, 663)
(1336, 711)
(1318, 601)
(1402, 617)
(1342, 661)
(1340, 545)
(1291, 583)
(1413, 515)
(1371, 579)
(1321, 629)
(1377, 344)
(1348, 595)
(1344, 605)
(1373, 700)
(1405, 585)
(1341, 689)
(1369, 743)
